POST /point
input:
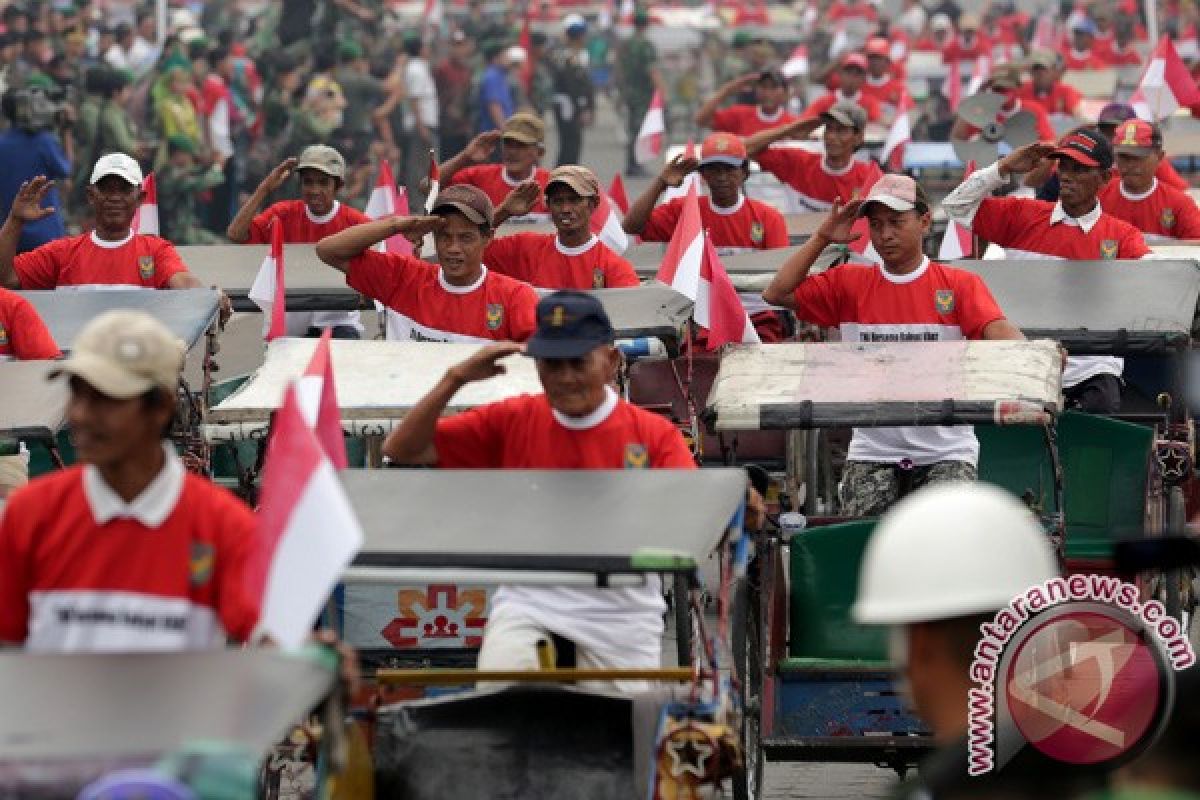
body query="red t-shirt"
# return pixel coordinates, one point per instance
(751, 225)
(1166, 174)
(496, 184)
(299, 227)
(70, 584)
(826, 102)
(541, 260)
(1086, 59)
(889, 93)
(747, 120)
(1062, 99)
(141, 261)
(1024, 225)
(959, 50)
(497, 308)
(523, 433)
(861, 10)
(1164, 211)
(1127, 56)
(816, 186)
(23, 335)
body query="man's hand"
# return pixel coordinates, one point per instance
(803, 128)
(276, 177)
(416, 227)
(225, 305)
(756, 510)
(678, 168)
(739, 84)
(482, 146)
(836, 227)
(27, 205)
(1025, 159)
(484, 363)
(521, 200)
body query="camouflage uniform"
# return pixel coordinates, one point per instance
(177, 190)
(868, 488)
(635, 63)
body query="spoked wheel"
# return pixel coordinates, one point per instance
(1173, 594)
(681, 607)
(747, 665)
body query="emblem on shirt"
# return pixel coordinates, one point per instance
(146, 267)
(1168, 218)
(597, 278)
(1108, 248)
(3, 337)
(200, 566)
(636, 456)
(757, 232)
(944, 300)
(495, 316)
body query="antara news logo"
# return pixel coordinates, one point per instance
(1080, 668)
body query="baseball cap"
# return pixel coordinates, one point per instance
(1005, 76)
(569, 325)
(574, 23)
(124, 353)
(879, 46)
(1085, 25)
(857, 60)
(117, 164)
(322, 158)
(847, 113)
(1087, 146)
(897, 192)
(1043, 58)
(1116, 113)
(941, 22)
(581, 179)
(183, 144)
(525, 127)
(1136, 137)
(458, 36)
(516, 54)
(772, 74)
(470, 201)
(968, 22)
(723, 148)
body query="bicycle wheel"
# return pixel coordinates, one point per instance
(747, 665)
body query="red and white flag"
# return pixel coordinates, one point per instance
(268, 290)
(726, 317)
(957, 240)
(606, 224)
(979, 75)
(1046, 35)
(317, 394)
(307, 531)
(649, 142)
(1165, 85)
(899, 135)
(617, 194)
(435, 182)
(145, 219)
(385, 201)
(952, 88)
(797, 63)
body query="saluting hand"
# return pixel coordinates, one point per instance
(678, 168)
(482, 146)
(1025, 158)
(836, 228)
(27, 205)
(484, 363)
(276, 177)
(521, 200)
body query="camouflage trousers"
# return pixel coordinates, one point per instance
(868, 488)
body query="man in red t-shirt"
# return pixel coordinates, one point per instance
(322, 173)
(1111, 117)
(1075, 228)
(23, 335)
(1044, 87)
(111, 255)
(819, 179)
(580, 422)
(852, 75)
(1081, 55)
(1137, 196)
(971, 43)
(456, 300)
(906, 298)
(522, 145)
(571, 258)
(128, 551)
(769, 110)
(883, 85)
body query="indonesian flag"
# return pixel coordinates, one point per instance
(268, 291)
(1165, 85)
(899, 51)
(649, 142)
(318, 402)
(145, 219)
(435, 182)
(606, 224)
(307, 531)
(1045, 34)
(839, 43)
(525, 42)
(727, 320)
(386, 202)
(434, 13)
(899, 134)
(957, 241)
(797, 63)
(982, 71)
(616, 193)
(952, 89)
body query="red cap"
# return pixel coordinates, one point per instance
(1086, 146)
(1137, 137)
(723, 148)
(879, 46)
(855, 60)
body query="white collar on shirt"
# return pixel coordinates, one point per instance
(511, 181)
(725, 211)
(1087, 221)
(1139, 197)
(588, 421)
(151, 507)
(829, 170)
(107, 245)
(843, 97)
(1080, 55)
(452, 289)
(575, 251)
(765, 117)
(325, 220)
(882, 80)
(909, 277)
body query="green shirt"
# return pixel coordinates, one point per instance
(635, 60)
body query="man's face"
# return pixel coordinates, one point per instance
(569, 210)
(724, 182)
(897, 235)
(1137, 171)
(770, 95)
(841, 140)
(459, 246)
(461, 51)
(146, 28)
(318, 191)
(114, 201)
(1082, 40)
(878, 65)
(1043, 78)
(1079, 183)
(518, 157)
(107, 431)
(575, 386)
(852, 79)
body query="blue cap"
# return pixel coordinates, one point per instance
(569, 325)
(1085, 25)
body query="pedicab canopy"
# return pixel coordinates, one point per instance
(311, 285)
(71, 718)
(187, 313)
(653, 310)
(377, 384)
(1108, 307)
(542, 526)
(805, 385)
(31, 407)
(646, 259)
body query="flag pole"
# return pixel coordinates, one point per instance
(1152, 20)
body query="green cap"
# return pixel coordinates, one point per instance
(349, 49)
(184, 144)
(742, 38)
(39, 80)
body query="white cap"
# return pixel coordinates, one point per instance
(516, 54)
(948, 551)
(573, 21)
(120, 165)
(941, 22)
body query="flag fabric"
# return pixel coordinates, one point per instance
(268, 290)
(307, 531)
(435, 182)
(1045, 33)
(525, 42)
(979, 75)
(617, 194)
(797, 63)
(727, 320)
(145, 219)
(680, 267)
(1165, 85)
(952, 88)
(839, 43)
(317, 395)
(385, 201)
(957, 240)
(900, 134)
(649, 142)
(606, 224)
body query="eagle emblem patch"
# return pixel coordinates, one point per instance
(3, 337)
(943, 299)
(597, 278)
(146, 267)
(200, 565)
(1108, 249)
(1168, 218)
(495, 316)
(757, 233)
(636, 456)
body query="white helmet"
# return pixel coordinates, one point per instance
(950, 550)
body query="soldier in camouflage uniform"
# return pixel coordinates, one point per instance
(574, 95)
(636, 79)
(178, 184)
(868, 487)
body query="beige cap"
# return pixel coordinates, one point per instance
(322, 158)
(581, 179)
(525, 127)
(897, 192)
(1043, 58)
(117, 164)
(1005, 76)
(968, 22)
(470, 201)
(124, 354)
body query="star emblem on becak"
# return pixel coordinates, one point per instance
(687, 754)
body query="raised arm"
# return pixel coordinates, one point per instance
(519, 202)
(835, 229)
(478, 151)
(763, 139)
(26, 207)
(339, 249)
(672, 175)
(962, 203)
(704, 115)
(239, 229)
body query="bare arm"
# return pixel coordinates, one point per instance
(763, 139)
(704, 115)
(239, 228)
(26, 207)
(339, 249)
(673, 174)
(519, 202)
(836, 229)
(1002, 329)
(478, 151)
